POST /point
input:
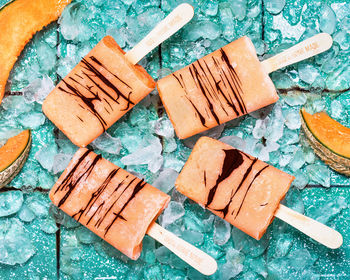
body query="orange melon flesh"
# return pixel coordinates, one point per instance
(19, 21)
(219, 87)
(237, 187)
(96, 93)
(108, 200)
(13, 149)
(329, 132)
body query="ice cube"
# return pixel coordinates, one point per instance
(239, 9)
(319, 174)
(274, 6)
(202, 29)
(193, 237)
(144, 155)
(234, 141)
(258, 265)
(318, 85)
(46, 86)
(25, 214)
(86, 236)
(248, 245)
(150, 18)
(297, 161)
(65, 146)
(46, 56)
(233, 265)
(71, 19)
(177, 263)
(38, 205)
(178, 197)
(46, 156)
(342, 38)
(108, 143)
(327, 19)
(16, 105)
(301, 179)
(15, 243)
(163, 127)
(337, 110)
(173, 212)
(210, 7)
(282, 80)
(32, 120)
(148, 248)
(293, 120)
(328, 211)
(307, 72)
(60, 162)
(30, 90)
(295, 98)
(294, 200)
(166, 180)
(262, 113)
(214, 132)
(300, 259)
(222, 231)
(65, 65)
(228, 270)
(163, 254)
(260, 128)
(275, 127)
(155, 164)
(169, 145)
(48, 225)
(283, 245)
(260, 152)
(10, 202)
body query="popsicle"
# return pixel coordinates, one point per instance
(119, 207)
(228, 83)
(244, 191)
(107, 83)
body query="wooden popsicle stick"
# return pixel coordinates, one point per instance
(196, 258)
(314, 229)
(305, 49)
(181, 15)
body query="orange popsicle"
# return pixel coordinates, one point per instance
(226, 84)
(114, 204)
(237, 187)
(96, 93)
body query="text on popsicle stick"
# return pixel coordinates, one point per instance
(165, 28)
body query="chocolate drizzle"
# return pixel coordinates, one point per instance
(96, 207)
(232, 161)
(95, 195)
(78, 85)
(140, 184)
(223, 90)
(77, 174)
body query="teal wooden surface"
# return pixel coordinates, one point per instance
(70, 252)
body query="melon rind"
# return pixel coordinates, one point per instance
(15, 167)
(333, 160)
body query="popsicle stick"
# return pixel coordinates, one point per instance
(196, 258)
(167, 27)
(305, 49)
(314, 229)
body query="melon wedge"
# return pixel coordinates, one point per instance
(19, 21)
(329, 139)
(13, 156)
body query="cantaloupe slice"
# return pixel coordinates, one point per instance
(19, 21)
(329, 139)
(13, 156)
